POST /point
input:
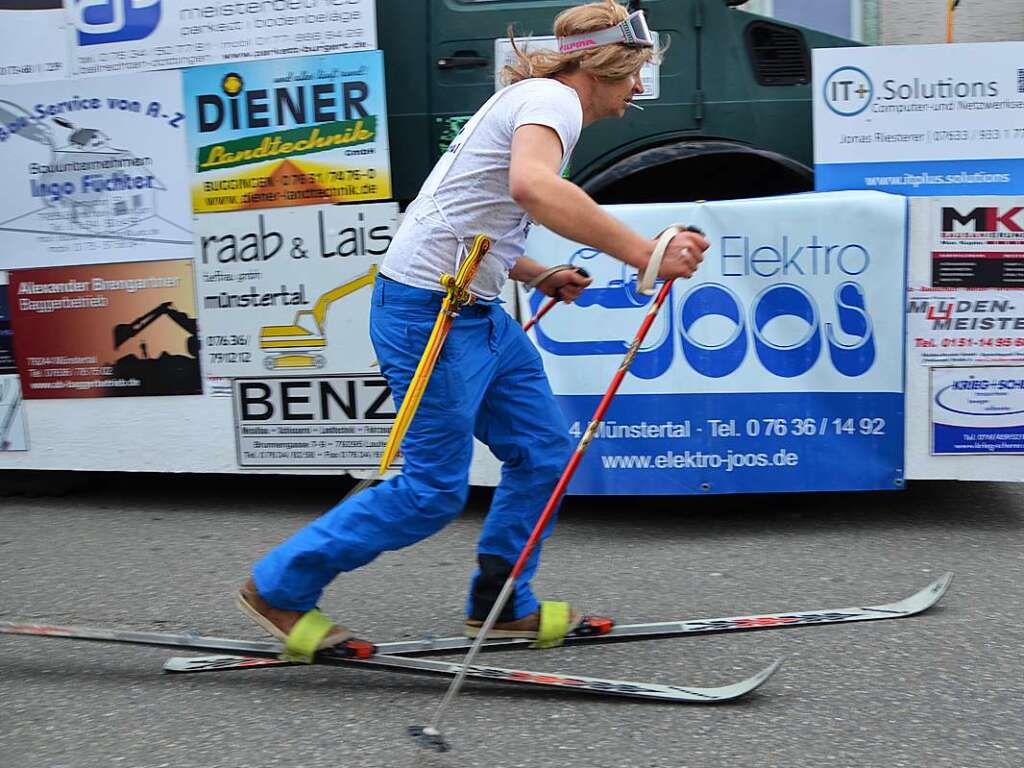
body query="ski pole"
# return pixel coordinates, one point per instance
(430, 737)
(550, 303)
(457, 297)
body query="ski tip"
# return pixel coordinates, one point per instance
(743, 687)
(763, 676)
(429, 738)
(755, 681)
(944, 581)
(924, 599)
(758, 679)
(938, 587)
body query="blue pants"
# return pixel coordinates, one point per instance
(490, 383)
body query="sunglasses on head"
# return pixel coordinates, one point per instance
(632, 32)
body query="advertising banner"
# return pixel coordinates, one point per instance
(777, 367)
(93, 171)
(920, 119)
(977, 410)
(323, 421)
(965, 322)
(106, 330)
(288, 132)
(109, 36)
(33, 41)
(13, 434)
(965, 300)
(288, 289)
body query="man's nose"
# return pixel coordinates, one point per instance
(638, 85)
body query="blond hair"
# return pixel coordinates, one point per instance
(606, 62)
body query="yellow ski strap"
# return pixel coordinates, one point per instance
(306, 636)
(554, 625)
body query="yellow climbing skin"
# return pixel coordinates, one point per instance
(457, 297)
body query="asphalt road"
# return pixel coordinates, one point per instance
(944, 689)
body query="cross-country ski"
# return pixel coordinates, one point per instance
(914, 604)
(557, 680)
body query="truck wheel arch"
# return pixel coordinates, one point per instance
(702, 169)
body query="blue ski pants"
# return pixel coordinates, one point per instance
(489, 382)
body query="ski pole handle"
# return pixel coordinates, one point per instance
(645, 284)
(551, 302)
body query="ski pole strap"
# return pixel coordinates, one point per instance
(546, 274)
(645, 284)
(554, 625)
(306, 636)
(549, 272)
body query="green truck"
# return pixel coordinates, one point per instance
(732, 120)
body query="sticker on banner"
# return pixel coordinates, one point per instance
(977, 410)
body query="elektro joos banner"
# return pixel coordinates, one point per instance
(776, 367)
(288, 132)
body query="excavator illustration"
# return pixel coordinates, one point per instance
(126, 331)
(301, 345)
(164, 375)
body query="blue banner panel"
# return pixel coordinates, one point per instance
(926, 178)
(740, 443)
(778, 366)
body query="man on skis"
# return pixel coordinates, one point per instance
(501, 173)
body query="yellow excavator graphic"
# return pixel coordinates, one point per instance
(296, 346)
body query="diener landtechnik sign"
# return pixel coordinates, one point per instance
(920, 119)
(286, 132)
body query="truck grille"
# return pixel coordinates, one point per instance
(778, 54)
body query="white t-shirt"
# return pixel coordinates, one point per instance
(467, 192)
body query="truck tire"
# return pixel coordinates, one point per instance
(698, 170)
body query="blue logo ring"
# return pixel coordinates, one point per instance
(862, 73)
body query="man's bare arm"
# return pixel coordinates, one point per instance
(562, 207)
